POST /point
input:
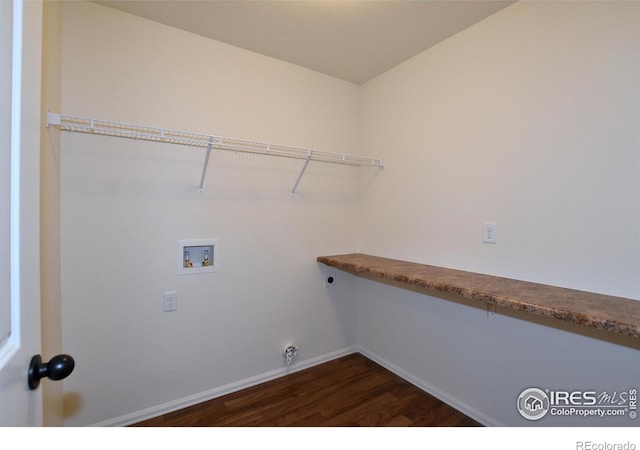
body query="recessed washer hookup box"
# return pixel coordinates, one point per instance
(197, 256)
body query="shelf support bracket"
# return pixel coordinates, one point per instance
(304, 167)
(206, 163)
(53, 119)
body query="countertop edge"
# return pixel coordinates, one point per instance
(583, 308)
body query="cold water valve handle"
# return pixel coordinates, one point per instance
(58, 368)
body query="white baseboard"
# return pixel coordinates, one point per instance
(191, 400)
(445, 397)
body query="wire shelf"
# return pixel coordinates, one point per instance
(208, 142)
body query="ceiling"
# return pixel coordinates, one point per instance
(352, 40)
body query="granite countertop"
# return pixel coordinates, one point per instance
(612, 314)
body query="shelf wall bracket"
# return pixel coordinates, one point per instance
(53, 119)
(304, 167)
(206, 163)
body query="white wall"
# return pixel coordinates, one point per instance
(125, 205)
(528, 119)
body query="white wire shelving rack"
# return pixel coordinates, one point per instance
(208, 142)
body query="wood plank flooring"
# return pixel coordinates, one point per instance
(347, 392)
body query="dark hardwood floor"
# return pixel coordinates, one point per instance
(347, 392)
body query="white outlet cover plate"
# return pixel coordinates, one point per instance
(490, 233)
(170, 301)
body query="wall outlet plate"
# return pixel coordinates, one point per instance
(490, 233)
(169, 301)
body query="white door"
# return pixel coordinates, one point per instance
(20, 72)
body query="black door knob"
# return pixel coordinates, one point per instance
(57, 368)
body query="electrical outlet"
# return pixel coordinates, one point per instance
(490, 233)
(329, 279)
(170, 301)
